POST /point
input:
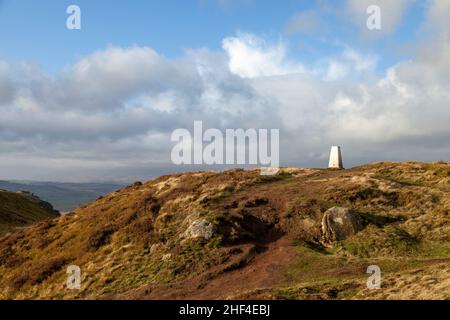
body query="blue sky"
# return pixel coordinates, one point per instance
(35, 30)
(101, 103)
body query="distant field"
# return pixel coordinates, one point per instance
(64, 197)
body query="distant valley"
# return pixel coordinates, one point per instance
(64, 197)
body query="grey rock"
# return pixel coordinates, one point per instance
(340, 223)
(199, 229)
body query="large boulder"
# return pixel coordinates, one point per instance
(199, 229)
(340, 223)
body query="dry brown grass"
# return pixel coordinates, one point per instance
(134, 237)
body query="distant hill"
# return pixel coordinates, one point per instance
(300, 234)
(64, 197)
(21, 209)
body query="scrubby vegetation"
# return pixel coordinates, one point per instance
(241, 235)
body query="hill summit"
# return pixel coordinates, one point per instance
(300, 234)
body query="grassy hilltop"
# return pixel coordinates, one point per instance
(237, 234)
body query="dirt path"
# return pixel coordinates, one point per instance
(262, 271)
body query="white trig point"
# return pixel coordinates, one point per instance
(336, 158)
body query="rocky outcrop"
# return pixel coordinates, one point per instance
(340, 223)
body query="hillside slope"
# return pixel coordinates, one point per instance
(237, 234)
(20, 209)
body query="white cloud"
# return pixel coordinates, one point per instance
(250, 57)
(110, 115)
(348, 64)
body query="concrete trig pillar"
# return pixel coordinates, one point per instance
(336, 158)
